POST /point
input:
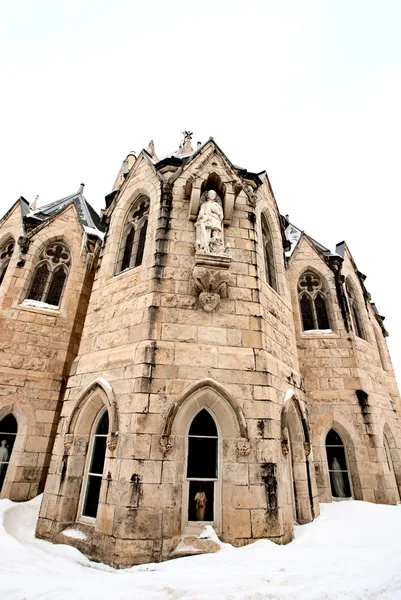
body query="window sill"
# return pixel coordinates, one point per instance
(128, 272)
(42, 307)
(319, 333)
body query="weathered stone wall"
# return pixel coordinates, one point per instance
(335, 365)
(149, 350)
(37, 347)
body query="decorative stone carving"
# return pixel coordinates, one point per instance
(166, 443)
(209, 225)
(307, 448)
(68, 441)
(285, 447)
(112, 440)
(251, 195)
(243, 447)
(212, 286)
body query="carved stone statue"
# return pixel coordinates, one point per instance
(209, 225)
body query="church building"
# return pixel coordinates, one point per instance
(188, 358)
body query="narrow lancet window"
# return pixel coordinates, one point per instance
(270, 271)
(202, 467)
(94, 476)
(313, 303)
(355, 312)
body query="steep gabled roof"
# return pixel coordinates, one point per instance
(293, 234)
(88, 216)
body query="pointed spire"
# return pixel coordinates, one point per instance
(186, 146)
(151, 150)
(81, 188)
(34, 203)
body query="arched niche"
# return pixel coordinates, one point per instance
(296, 449)
(214, 182)
(337, 463)
(392, 455)
(206, 394)
(348, 434)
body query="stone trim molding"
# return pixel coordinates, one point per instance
(109, 400)
(197, 390)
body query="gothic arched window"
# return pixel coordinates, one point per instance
(337, 463)
(268, 255)
(8, 433)
(202, 467)
(51, 274)
(6, 252)
(313, 302)
(95, 466)
(132, 245)
(355, 313)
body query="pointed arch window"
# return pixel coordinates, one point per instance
(8, 434)
(95, 466)
(268, 255)
(313, 303)
(133, 241)
(202, 468)
(6, 252)
(51, 274)
(355, 312)
(338, 468)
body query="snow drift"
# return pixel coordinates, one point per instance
(352, 550)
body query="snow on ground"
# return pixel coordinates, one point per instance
(352, 551)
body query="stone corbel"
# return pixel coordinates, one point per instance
(68, 441)
(243, 447)
(251, 196)
(285, 447)
(112, 440)
(166, 443)
(24, 243)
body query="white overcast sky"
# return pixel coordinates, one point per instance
(308, 90)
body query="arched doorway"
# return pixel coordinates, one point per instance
(202, 469)
(8, 433)
(338, 466)
(95, 467)
(391, 467)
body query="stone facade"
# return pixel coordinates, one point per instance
(200, 320)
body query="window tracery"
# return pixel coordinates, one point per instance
(133, 240)
(51, 274)
(6, 252)
(268, 255)
(313, 303)
(355, 313)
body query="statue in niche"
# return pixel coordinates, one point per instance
(209, 225)
(200, 502)
(4, 456)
